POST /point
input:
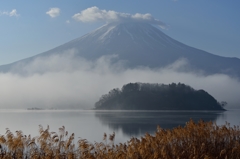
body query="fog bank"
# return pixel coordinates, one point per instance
(66, 81)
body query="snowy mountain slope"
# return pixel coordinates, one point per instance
(141, 44)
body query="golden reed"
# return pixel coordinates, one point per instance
(202, 140)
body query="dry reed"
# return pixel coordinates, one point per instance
(202, 140)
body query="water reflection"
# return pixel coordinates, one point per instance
(135, 123)
(91, 125)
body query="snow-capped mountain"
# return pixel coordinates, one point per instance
(141, 44)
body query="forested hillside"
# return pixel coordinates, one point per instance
(146, 96)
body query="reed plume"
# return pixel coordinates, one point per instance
(201, 140)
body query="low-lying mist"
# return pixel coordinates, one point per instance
(66, 81)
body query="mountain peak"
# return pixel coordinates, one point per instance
(137, 33)
(141, 44)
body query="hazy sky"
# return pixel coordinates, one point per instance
(32, 27)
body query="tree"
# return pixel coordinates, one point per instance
(223, 103)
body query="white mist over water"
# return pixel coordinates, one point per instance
(66, 81)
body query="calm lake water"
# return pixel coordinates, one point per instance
(91, 125)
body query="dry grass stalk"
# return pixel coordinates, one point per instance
(202, 140)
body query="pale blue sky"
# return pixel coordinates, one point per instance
(27, 30)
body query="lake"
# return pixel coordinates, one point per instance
(91, 124)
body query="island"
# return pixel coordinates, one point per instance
(147, 96)
(35, 108)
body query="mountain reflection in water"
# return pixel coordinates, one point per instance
(135, 123)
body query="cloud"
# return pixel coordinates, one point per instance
(67, 21)
(94, 14)
(67, 81)
(53, 12)
(13, 13)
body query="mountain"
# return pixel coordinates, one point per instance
(140, 44)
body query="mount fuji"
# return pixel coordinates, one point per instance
(140, 44)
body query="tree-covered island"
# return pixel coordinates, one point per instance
(146, 96)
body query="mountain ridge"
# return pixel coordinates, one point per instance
(140, 44)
